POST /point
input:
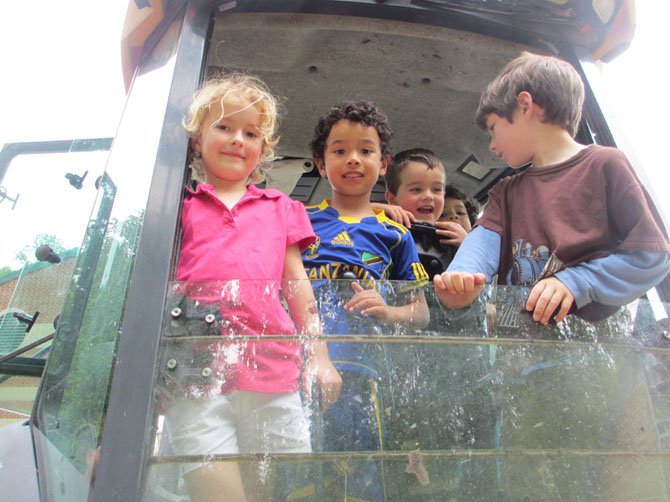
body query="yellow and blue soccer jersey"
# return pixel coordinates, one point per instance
(372, 248)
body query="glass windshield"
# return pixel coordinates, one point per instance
(45, 209)
(72, 406)
(481, 404)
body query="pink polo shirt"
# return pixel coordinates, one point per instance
(245, 248)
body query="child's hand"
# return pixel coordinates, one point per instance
(329, 381)
(396, 213)
(320, 369)
(457, 290)
(452, 233)
(368, 302)
(548, 296)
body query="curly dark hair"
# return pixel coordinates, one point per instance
(364, 112)
(471, 205)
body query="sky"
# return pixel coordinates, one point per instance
(62, 80)
(636, 84)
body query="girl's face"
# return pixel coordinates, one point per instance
(232, 146)
(454, 210)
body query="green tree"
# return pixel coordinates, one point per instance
(82, 356)
(27, 254)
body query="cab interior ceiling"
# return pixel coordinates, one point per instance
(426, 78)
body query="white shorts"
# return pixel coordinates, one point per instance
(239, 422)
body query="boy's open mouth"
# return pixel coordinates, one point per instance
(425, 210)
(353, 175)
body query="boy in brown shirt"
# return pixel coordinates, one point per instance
(582, 206)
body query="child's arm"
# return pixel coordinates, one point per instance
(404, 266)
(475, 263)
(396, 213)
(301, 303)
(370, 302)
(601, 285)
(616, 279)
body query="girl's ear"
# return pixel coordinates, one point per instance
(321, 167)
(390, 198)
(195, 144)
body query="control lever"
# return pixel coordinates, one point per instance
(3, 196)
(75, 180)
(27, 319)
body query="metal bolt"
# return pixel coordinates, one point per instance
(206, 372)
(176, 312)
(665, 334)
(171, 364)
(209, 318)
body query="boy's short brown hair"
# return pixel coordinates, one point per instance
(553, 83)
(400, 161)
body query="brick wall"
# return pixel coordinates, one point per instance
(6, 291)
(12, 417)
(43, 289)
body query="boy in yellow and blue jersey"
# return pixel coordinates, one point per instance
(351, 148)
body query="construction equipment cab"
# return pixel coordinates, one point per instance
(95, 341)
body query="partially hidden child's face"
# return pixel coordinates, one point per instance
(352, 159)
(509, 140)
(231, 147)
(454, 210)
(421, 191)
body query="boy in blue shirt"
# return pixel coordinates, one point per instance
(351, 149)
(577, 227)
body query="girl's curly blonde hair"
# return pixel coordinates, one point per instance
(238, 86)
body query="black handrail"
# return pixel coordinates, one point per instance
(25, 348)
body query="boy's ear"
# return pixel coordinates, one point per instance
(321, 166)
(526, 104)
(390, 198)
(385, 163)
